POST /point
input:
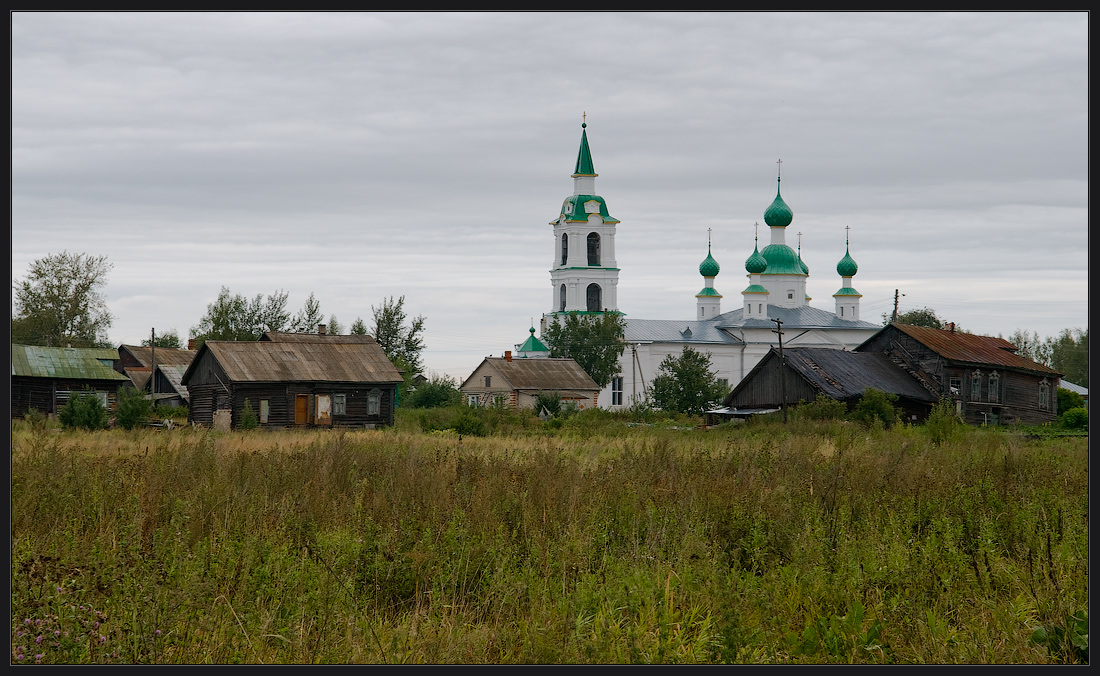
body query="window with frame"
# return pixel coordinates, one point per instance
(995, 387)
(564, 248)
(617, 391)
(374, 402)
(488, 381)
(976, 386)
(955, 386)
(472, 400)
(561, 299)
(593, 248)
(265, 410)
(1044, 395)
(594, 297)
(339, 404)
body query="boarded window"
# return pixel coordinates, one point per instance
(265, 410)
(324, 410)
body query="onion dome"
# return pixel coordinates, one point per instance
(782, 260)
(778, 215)
(802, 264)
(847, 266)
(756, 264)
(709, 266)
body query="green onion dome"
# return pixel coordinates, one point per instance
(847, 266)
(756, 264)
(782, 260)
(709, 266)
(802, 264)
(778, 215)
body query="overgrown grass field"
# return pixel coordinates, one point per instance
(585, 541)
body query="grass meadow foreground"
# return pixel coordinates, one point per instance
(588, 541)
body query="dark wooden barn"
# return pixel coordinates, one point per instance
(988, 382)
(811, 371)
(157, 371)
(43, 378)
(293, 380)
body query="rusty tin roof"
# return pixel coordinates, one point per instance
(971, 348)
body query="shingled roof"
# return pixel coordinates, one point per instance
(543, 374)
(845, 375)
(305, 361)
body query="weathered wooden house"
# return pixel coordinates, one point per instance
(989, 383)
(157, 371)
(517, 383)
(43, 378)
(293, 380)
(807, 372)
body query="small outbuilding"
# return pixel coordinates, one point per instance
(293, 380)
(517, 383)
(43, 378)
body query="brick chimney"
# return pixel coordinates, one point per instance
(507, 355)
(190, 343)
(321, 328)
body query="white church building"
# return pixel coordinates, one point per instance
(584, 278)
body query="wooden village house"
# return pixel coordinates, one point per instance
(987, 381)
(517, 382)
(293, 380)
(158, 371)
(43, 378)
(808, 372)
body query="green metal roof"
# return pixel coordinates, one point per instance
(782, 260)
(848, 291)
(584, 157)
(532, 344)
(754, 288)
(573, 208)
(85, 363)
(708, 291)
(778, 215)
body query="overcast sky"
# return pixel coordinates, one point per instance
(366, 155)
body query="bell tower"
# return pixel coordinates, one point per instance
(583, 274)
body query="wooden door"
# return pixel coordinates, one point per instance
(301, 409)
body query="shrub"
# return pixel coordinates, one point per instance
(876, 406)
(469, 424)
(440, 391)
(822, 408)
(548, 401)
(248, 417)
(133, 408)
(1076, 418)
(83, 410)
(943, 424)
(1068, 399)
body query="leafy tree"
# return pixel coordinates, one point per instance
(686, 384)
(59, 302)
(1030, 346)
(308, 317)
(1069, 354)
(169, 340)
(593, 341)
(402, 344)
(549, 402)
(83, 410)
(923, 317)
(1068, 399)
(234, 317)
(133, 408)
(436, 392)
(358, 327)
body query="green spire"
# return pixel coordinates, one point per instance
(847, 266)
(778, 214)
(584, 156)
(709, 266)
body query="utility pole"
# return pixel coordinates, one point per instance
(778, 330)
(895, 317)
(153, 364)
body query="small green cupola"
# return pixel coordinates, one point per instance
(847, 266)
(756, 264)
(532, 347)
(709, 266)
(847, 298)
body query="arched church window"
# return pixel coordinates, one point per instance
(594, 298)
(564, 248)
(561, 299)
(593, 248)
